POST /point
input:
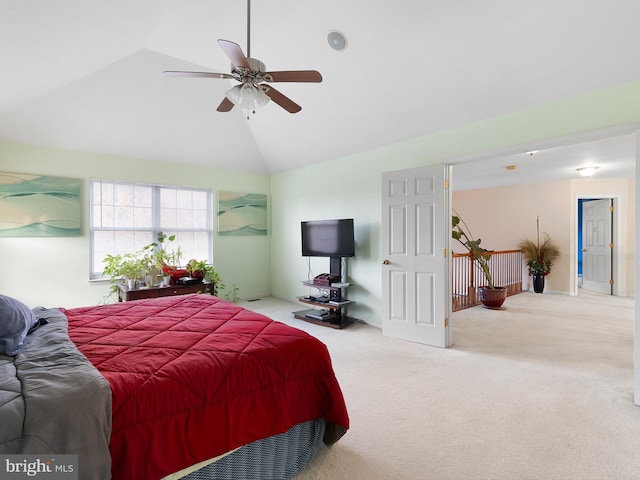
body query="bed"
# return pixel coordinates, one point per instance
(193, 382)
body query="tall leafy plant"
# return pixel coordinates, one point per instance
(160, 256)
(460, 231)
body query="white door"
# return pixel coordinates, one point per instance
(415, 240)
(596, 245)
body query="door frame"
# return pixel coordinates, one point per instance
(615, 234)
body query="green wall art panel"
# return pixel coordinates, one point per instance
(242, 213)
(39, 206)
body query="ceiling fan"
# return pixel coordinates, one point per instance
(252, 92)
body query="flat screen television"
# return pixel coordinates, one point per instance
(328, 238)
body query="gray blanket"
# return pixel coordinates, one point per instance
(53, 400)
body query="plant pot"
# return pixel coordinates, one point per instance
(198, 275)
(131, 283)
(493, 297)
(177, 275)
(538, 283)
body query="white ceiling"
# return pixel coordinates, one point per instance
(614, 156)
(86, 74)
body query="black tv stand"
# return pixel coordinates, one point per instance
(335, 266)
(335, 311)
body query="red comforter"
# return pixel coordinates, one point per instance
(194, 376)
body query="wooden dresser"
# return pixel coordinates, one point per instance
(125, 294)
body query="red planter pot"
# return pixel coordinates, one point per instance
(175, 274)
(493, 297)
(197, 275)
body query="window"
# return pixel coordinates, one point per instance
(127, 216)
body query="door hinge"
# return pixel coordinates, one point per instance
(612, 208)
(446, 322)
(446, 252)
(611, 245)
(446, 184)
(612, 281)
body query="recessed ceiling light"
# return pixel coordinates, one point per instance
(337, 40)
(531, 152)
(586, 171)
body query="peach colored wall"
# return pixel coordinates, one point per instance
(502, 216)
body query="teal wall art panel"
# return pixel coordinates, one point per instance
(39, 206)
(242, 213)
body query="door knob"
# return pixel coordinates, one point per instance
(585, 250)
(386, 262)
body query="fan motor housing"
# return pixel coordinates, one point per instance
(256, 65)
(255, 74)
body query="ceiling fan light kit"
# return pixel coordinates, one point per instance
(248, 97)
(252, 93)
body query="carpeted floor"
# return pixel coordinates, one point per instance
(542, 390)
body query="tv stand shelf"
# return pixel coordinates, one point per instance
(337, 322)
(335, 305)
(324, 287)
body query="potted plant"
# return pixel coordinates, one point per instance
(197, 268)
(539, 257)
(130, 267)
(133, 268)
(207, 273)
(166, 262)
(490, 295)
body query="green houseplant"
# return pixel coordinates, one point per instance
(163, 262)
(154, 257)
(202, 270)
(130, 267)
(133, 267)
(197, 268)
(539, 257)
(159, 255)
(490, 295)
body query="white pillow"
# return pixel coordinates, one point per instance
(15, 321)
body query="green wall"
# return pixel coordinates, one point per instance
(54, 272)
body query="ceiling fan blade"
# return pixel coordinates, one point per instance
(225, 105)
(285, 102)
(295, 76)
(234, 52)
(178, 73)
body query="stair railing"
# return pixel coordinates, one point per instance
(466, 276)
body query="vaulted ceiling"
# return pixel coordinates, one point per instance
(87, 74)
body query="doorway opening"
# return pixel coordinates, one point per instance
(491, 167)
